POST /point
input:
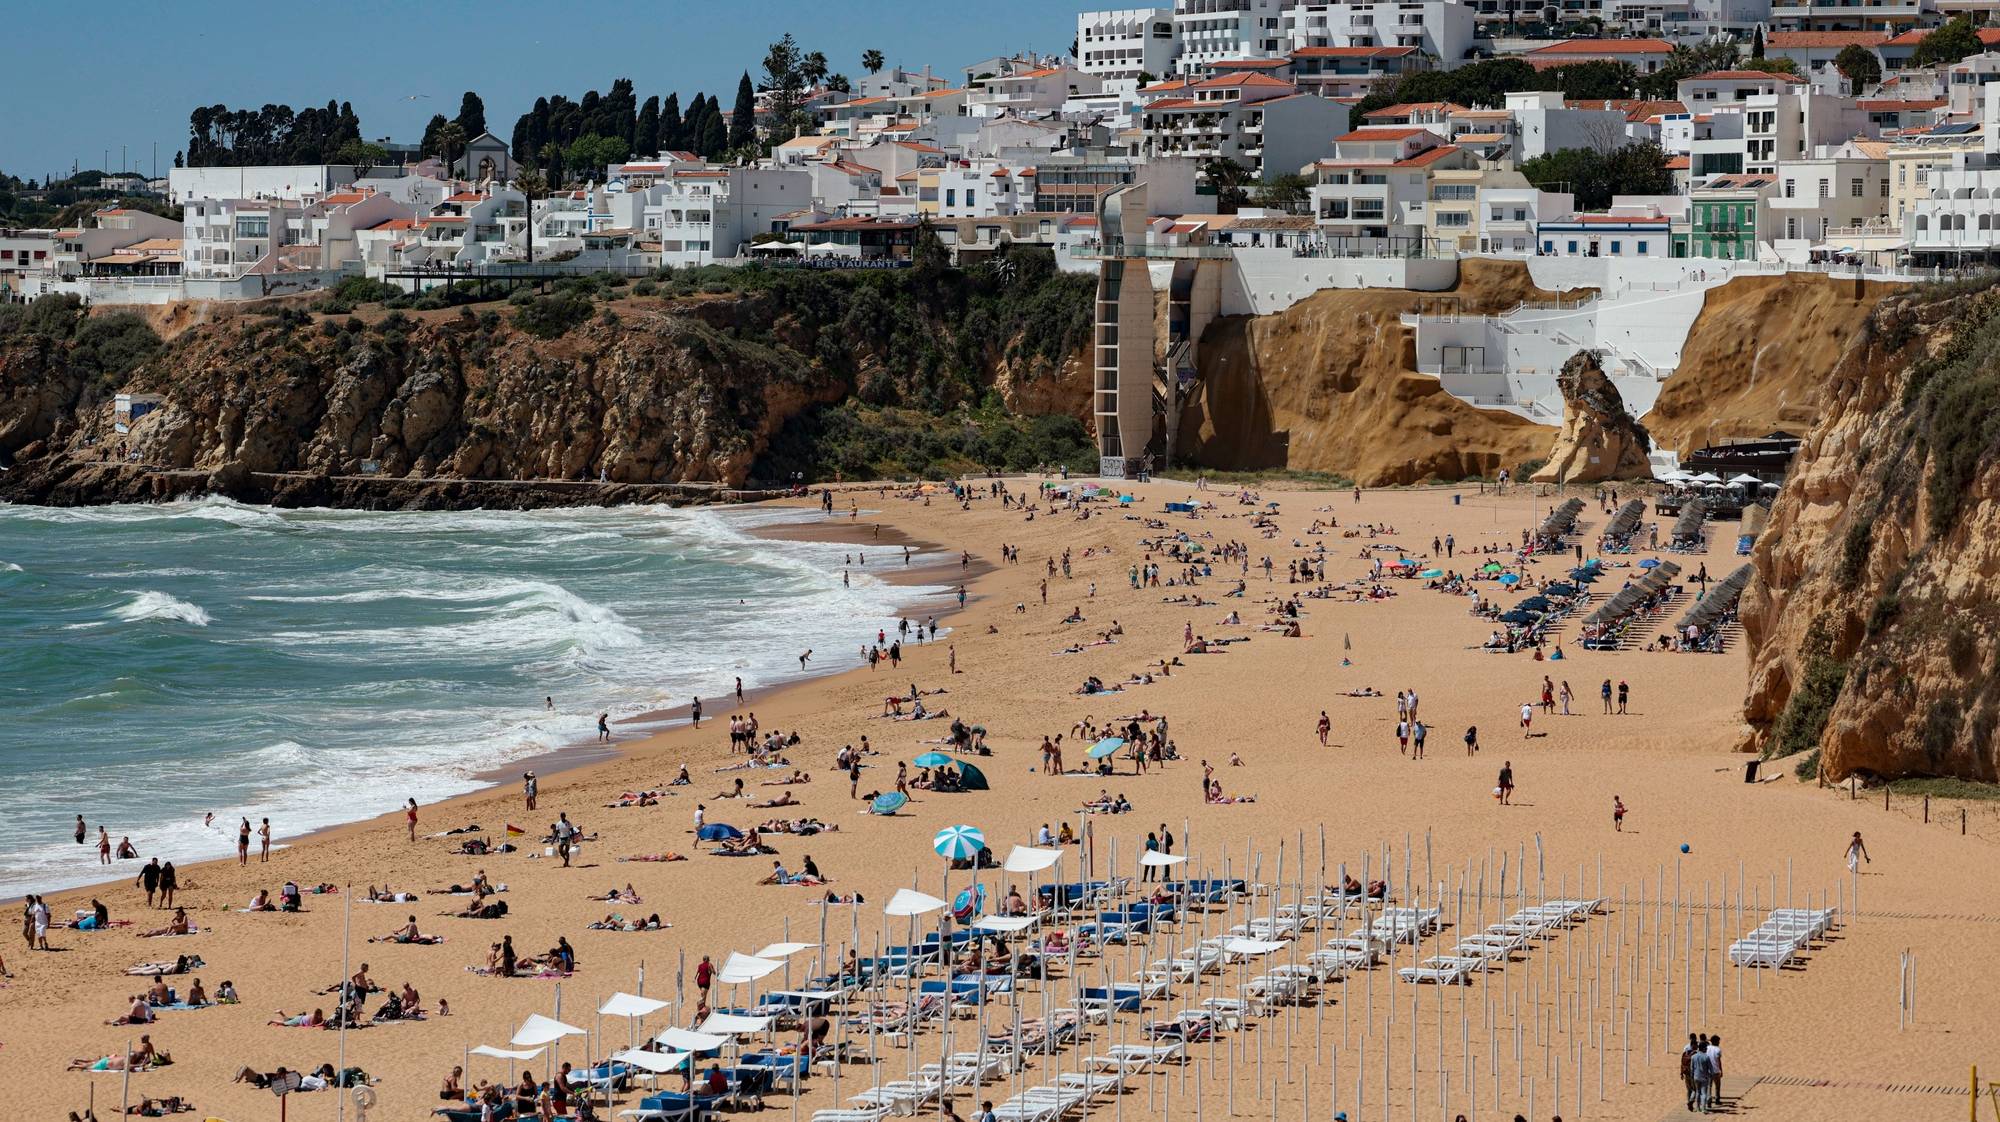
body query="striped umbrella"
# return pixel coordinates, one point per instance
(958, 843)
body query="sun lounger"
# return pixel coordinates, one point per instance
(1444, 970)
(1138, 1057)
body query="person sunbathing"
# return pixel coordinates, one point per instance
(626, 895)
(262, 902)
(159, 1108)
(178, 925)
(797, 777)
(225, 994)
(682, 779)
(785, 799)
(197, 996)
(734, 792)
(408, 933)
(140, 1013)
(314, 1019)
(387, 895)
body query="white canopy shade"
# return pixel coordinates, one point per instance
(1028, 859)
(746, 968)
(910, 902)
(1005, 923)
(1251, 946)
(1746, 477)
(631, 1005)
(538, 1029)
(1155, 858)
(785, 950)
(1705, 477)
(504, 1054)
(734, 1023)
(655, 1062)
(687, 1041)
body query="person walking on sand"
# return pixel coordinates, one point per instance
(1624, 691)
(1617, 814)
(1325, 727)
(1417, 732)
(1472, 740)
(1605, 692)
(1527, 720)
(1506, 784)
(694, 711)
(704, 976)
(149, 879)
(1564, 696)
(952, 651)
(854, 778)
(530, 787)
(169, 881)
(739, 690)
(264, 841)
(1857, 853)
(243, 843)
(410, 818)
(565, 833)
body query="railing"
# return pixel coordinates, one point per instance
(1113, 250)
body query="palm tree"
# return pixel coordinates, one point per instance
(451, 142)
(871, 60)
(533, 185)
(813, 68)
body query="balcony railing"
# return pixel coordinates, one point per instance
(1113, 250)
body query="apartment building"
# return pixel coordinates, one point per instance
(1850, 15)
(1351, 71)
(1038, 91)
(1211, 31)
(1126, 42)
(1917, 163)
(1441, 29)
(700, 215)
(1843, 188)
(1628, 230)
(1260, 122)
(1644, 55)
(1728, 218)
(1373, 194)
(1508, 215)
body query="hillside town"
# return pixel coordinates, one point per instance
(1250, 152)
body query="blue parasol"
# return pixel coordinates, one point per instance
(1105, 747)
(932, 759)
(889, 803)
(959, 843)
(719, 831)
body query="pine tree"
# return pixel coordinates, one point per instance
(673, 132)
(743, 122)
(646, 134)
(429, 145)
(714, 134)
(471, 114)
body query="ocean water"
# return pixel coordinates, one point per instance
(321, 666)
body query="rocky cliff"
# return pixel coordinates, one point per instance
(1872, 626)
(1598, 440)
(630, 390)
(1330, 384)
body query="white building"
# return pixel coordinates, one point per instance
(1544, 123)
(1125, 42)
(1509, 216)
(1258, 121)
(292, 182)
(701, 215)
(1844, 188)
(1441, 29)
(1371, 195)
(1029, 92)
(1210, 31)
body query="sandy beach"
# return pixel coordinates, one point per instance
(1587, 1024)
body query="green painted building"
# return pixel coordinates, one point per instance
(1726, 216)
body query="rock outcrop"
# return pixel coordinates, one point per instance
(1874, 624)
(1598, 440)
(1330, 384)
(642, 392)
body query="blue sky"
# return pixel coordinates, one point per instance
(128, 73)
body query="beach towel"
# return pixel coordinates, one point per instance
(654, 857)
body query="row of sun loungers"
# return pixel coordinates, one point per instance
(1782, 937)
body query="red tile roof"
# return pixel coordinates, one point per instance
(1892, 105)
(1989, 36)
(1679, 163)
(467, 197)
(1745, 76)
(1406, 109)
(1227, 81)
(1824, 39)
(1592, 48)
(1353, 52)
(1381, 134)
(1176, 103)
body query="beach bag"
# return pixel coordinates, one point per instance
(1496, 792)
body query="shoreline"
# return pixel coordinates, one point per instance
(582, 759)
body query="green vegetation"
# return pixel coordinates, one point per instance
(1955, 395)
(551, 317)
(1859, 66)
(352, 292)
(108, 347)
(1634, 169)
(1799, 727)
(1949, 43)
(219, 136)
(858, 441)
(1947, 789)
(1313, 479)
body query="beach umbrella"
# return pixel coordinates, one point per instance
(971, 778)
(1028, 859)
(1105, 747)
(1510, 578)
(969, 902)
(506, 1054)
(1534, 604)
(631, 1005)
(1427, 574)
(1746, 477)
(1649, 562)
(785, 950)
(959, 843)
(687, 1040)
(1404, 561)
(1490, 567)
(742, 968)
(718, 831)
(1155, 858)
(538, 1029)
(1705, 477)
(659, 1063)
(888, 803)
(910, 902)
(932, 759)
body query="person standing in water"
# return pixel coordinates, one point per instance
(603, 728)
(694, 711)
(82, 831)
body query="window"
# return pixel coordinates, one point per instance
(1642, 249)
(1333, 208)
(1453, 218)
(1791, 188)
(1791, 228)
(1854, 188)
(950, 196)
(1550, 247)
(968, 196)
(1825, 188)
(1572, 245)
(258, 226)
(1369, 209)
(1885, 186)
(1617, 247)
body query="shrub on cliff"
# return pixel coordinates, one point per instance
(112, 346)
(551, 317)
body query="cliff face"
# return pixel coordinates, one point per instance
(640, 392)
(1599, 440)
(1757, 357)
(1330, 384)
(1872, 626)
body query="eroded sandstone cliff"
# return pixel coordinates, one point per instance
(1598, 440)
(1872, 624)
